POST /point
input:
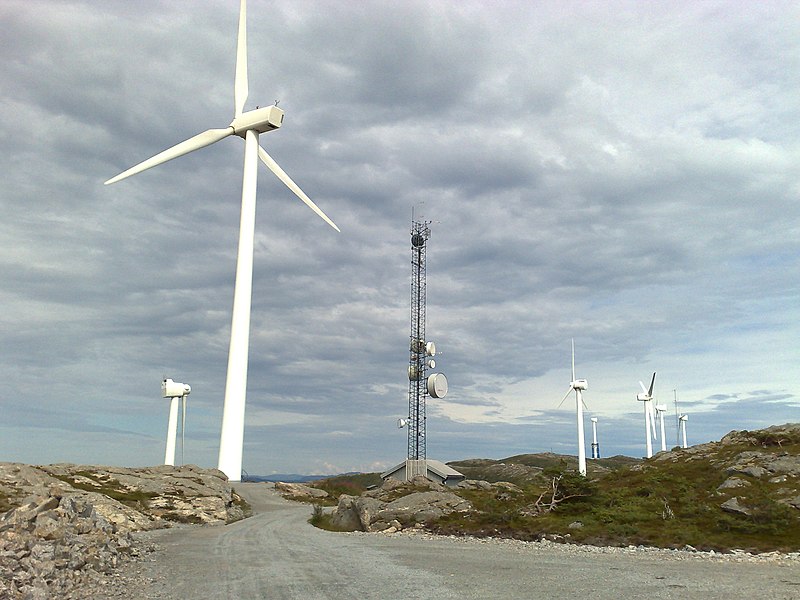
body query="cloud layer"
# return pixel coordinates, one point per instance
(622, 174)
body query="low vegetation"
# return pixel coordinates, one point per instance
(353, 484)
(103, 484)
(740, 493)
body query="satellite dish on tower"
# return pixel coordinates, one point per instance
(430, 349)
(437, 385)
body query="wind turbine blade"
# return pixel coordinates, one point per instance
(240, 89)
(573, 359)
(644, 389)
(201, 140)
(584, 403)
(564, 398)
(652, 382)
(281, 174)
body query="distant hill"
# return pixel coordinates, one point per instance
(525, 468)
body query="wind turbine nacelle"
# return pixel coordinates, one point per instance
(173, 389)
(580, 384)
(684, 418)
(261, 120)
(661, 407)
(642, 397)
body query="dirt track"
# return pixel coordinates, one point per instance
(276, 554)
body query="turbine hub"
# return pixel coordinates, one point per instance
(260, 120)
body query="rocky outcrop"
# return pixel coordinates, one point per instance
(397, 505)
(67, 525)
(299, 491)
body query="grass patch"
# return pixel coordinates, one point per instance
(108, 487)
(352, 485)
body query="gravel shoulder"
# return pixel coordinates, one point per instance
(277, 554)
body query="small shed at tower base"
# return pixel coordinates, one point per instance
(434, 470)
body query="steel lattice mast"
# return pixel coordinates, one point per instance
(417, 364)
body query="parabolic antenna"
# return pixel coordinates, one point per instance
(417, 240)
(430, 349)
(431, 363)
(437, 385)
(413, 373)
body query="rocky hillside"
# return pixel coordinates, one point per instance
(65, 525)
(527, 468)
(742, 492)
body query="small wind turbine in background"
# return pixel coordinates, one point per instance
(578, 385)
(682, 419)
(247, 125)
(661, 410)
(175, 391)
(595, 445)
(646, 396)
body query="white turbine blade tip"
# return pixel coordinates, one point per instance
(201, 140)
(240, 87)
(281, 174)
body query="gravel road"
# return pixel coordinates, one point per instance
(276, 554)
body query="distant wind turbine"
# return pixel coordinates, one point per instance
(683, 419)
(646, 396)
(247, 125)
(661, 410)
(578, 385)
(175, 392)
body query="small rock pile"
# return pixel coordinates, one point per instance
(69, 525)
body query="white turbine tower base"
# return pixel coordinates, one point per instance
(247, 125)
(578, 385)
(172, 431)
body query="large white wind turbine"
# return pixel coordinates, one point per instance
(247, 125)
(578, 385)
(646, 396)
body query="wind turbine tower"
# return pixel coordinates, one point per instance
(595, 445)
(175, 391)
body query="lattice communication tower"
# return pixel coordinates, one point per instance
(419, 349)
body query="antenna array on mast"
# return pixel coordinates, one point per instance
(419, 349)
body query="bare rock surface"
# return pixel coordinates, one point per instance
(397, 505)
(68, 526)
(299, 491)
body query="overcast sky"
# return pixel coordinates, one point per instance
(625, 174)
